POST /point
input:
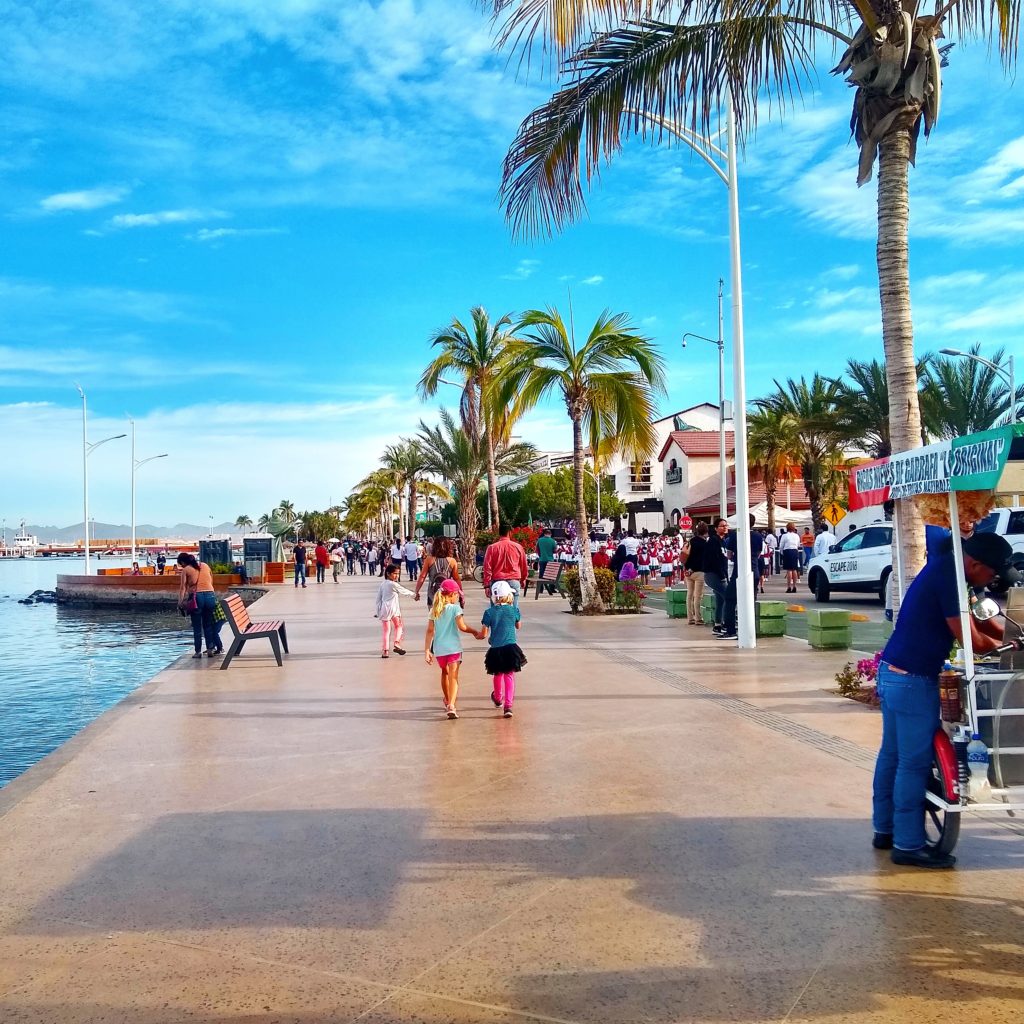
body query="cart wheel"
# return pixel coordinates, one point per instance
(942, 828)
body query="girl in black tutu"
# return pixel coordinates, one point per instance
(504, 656)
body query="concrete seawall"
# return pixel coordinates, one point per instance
(136, 592)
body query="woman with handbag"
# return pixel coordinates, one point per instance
(197, 600)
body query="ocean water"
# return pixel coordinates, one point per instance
(60, 668)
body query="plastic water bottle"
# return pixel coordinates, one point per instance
(977, 762)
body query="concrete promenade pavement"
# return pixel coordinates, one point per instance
(668, 830)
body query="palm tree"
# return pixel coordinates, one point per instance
(475, 354)
(818, 431)
(962, 396)
(772, 445)
(405, 461)
(264, 521)
(383, 486)
(286, 511)
(680, 62)
(609, 385)
(451, 453)
(243, 522)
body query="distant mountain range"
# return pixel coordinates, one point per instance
(114, 531)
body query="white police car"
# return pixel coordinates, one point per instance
(860, 563)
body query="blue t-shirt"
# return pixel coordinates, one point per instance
(501, 620)
(446, 631)
(922, 640)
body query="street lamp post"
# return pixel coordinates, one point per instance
(136, 464)
(1006, 374)
(87, 450)
(711, 154)
(723, 484)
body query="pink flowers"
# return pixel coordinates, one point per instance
(867, 668)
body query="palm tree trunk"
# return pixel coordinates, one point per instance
(413, 494)
(492, 483)
(468, 523)
(898, 331)
(769, 493)
(592, 603)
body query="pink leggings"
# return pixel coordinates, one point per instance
(505, 688)
(385, 632)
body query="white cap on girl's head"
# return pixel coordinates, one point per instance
(500, 589)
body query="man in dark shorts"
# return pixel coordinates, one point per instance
(908, 688)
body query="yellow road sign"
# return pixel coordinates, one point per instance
(833, 513)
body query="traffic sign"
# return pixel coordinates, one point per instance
(685, 523)
(833, 513)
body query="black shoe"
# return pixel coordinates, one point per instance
(926, 857)
(726, 636)
(198, 654)
(495, 701)
(399, 650)
(882, 841)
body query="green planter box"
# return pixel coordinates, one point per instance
(825, 618)
(675, 603)
(770, 618)
(835, 639)
(707, 608)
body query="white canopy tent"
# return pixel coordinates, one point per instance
(783, 515)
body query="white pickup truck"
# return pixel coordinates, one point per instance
(862, 560)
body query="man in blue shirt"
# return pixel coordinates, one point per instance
(928, 623)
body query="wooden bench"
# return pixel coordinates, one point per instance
(551, 576)
(245, 629)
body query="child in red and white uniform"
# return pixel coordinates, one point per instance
(643, 565)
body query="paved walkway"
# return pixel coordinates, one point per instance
(668, 830)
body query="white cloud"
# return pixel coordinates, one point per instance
(85, 199)
(593, 279)
(152, 220)
(524, 270)
(217, 234)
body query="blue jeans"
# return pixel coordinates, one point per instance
(910, 717)
(300, 573)
(717, 585)
(202, 622)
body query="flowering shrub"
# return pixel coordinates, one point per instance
(605, 586)
(527, 536)
(630, 594)
(858, 681)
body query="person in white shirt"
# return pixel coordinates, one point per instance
(632, 546)
(412, 558)
(823, 542)
(397, 552)
(789, 546)
(771, 544)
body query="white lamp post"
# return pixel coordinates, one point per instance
(87, 450)
(136, 463)
(597, 481)
(723, 486)
(711, 154)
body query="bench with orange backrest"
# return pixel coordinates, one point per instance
(245, 629)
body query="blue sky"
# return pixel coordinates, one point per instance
(241, 221)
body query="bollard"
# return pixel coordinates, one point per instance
(829, 629)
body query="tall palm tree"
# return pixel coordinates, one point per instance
(286, 511)
(680, 61)
(474, 353)
(962, 396)
(243, 523)
(818, 432)
(264, 521)
(772, 446)
(384, 486)
(451, 453)
(609, 385)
